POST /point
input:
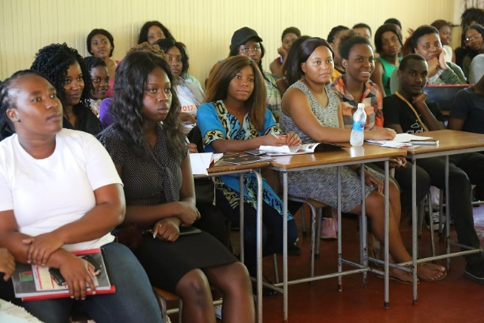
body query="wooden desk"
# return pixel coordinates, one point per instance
(224, 168)
(451, 142)
(345, 157)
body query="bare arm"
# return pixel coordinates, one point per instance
(100, 220)
(397, 127)
(455, 124)
(427, 116)
(377, 76)
(296, 105)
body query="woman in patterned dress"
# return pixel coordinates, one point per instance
(235, 118)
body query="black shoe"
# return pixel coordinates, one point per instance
(475, 272)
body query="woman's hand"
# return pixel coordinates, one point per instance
(274, 140)
(442, 62)
(7, 263)
(41, 247)
(398, 162)
(188, 213)
(281, 51)
(167, 229)
(78, 272)
(373, 182)
(192, 148)
(380, 134)
(293, 139)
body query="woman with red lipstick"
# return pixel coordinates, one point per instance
(388, 43)
(235, 118)
(70, 200)
(474, 40)
(66, 69)
(100, 43)
(100, 81)
(311, 109)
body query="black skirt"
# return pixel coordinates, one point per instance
(167, 262)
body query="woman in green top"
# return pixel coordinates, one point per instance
(388, 43)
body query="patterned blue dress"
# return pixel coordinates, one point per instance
(215, 123)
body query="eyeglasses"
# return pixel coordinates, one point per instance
(246, 50)
(475, 37)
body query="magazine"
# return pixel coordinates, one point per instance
(244, 158)
(300, 149)
(32, 282)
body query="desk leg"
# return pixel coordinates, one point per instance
(363, 227)
(414, 230)
(259, 246)
(447, 209)
(241, 216)
(284, 248)
(340, 251)
(386, 238)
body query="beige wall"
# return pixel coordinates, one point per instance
(205, 26)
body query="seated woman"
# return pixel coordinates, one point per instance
(356, 87)
(289, 35)
(64, 67)
(310, 109)
(100, 82)
(235, 119)
(283, 83)
(151, 158)
(334, 38)
(445, 34)
(71, 199)
(425, 41)
(152, 31)
(100, 43)
(189, 94)
(474, 40)
(388, 43)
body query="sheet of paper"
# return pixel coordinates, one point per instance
(200, 162)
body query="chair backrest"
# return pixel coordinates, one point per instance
(443, 95)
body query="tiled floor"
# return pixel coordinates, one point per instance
(455, 299)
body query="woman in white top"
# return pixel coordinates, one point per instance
(60, 192)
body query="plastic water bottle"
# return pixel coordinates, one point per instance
(359, 121)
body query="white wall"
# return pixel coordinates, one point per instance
(205, 26)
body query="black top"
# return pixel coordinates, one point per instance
(152, 180)
(86, 121)
(396, 111)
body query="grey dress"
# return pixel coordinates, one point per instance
(320, 184)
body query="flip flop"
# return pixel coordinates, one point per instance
(430, 266)
(406, 282)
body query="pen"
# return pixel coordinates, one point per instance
(277, 137)
(186, 140)
(155, 231)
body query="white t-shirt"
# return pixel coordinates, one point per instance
(46, 194)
